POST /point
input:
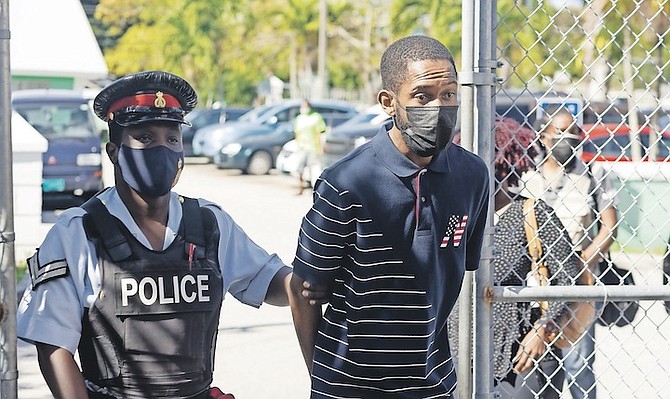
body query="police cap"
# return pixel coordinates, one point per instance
(144, 97)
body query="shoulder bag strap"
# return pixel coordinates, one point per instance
(538, 267)
(530, 225)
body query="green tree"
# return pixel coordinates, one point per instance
(521, 34)
(440, 19)
(226, 47)
(638, 32)
(295, 28)
(190, 38)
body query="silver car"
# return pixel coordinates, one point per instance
(263, 122)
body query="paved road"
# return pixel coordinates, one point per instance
(257, 352)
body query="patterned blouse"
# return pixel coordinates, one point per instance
(511, 265)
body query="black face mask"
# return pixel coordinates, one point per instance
(150, 171)
(563, 151)
(428, 130)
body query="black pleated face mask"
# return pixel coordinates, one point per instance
(428, 129)
(565, 149)
(150, 171)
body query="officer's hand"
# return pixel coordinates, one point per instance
(318, 294)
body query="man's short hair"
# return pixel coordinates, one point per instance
(401, 53)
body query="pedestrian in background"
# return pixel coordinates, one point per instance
(583, 197)
(393, 227)
(133, 280)
(525, 360)
(308, 128)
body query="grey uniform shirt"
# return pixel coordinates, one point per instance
(67, 270)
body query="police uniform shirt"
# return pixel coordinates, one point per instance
(66, 267)
(393, 242)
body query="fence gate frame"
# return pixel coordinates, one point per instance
(479, 86)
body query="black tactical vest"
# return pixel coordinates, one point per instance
(151, 332)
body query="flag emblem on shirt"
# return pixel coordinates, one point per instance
(455, 229)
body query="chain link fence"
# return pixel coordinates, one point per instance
(583, 124)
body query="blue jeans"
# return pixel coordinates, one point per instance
(578, 364)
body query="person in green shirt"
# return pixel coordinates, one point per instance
(308, 127)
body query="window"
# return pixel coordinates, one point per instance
(59, 120)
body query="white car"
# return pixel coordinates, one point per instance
(288, 162)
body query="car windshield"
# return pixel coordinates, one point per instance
(201, 118)
(234, 114)
(59, 120)
(255, 113)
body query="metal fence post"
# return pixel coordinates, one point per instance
(467, 112)
(8, 360)
(485, 79)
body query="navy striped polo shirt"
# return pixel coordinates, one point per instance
(392, 241)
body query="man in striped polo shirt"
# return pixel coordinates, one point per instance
(393, 227)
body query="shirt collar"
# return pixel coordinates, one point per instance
(117, 208)
(398, 163)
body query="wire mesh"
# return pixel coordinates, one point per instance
(583, 124)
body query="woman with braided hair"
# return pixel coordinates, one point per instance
(524, 361)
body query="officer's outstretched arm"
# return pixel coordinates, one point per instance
(278, 290)
(61, 372)
(316, 294)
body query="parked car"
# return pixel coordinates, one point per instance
(254, 151)
(72, 168)
(353, 133)
(248, 143)
(609, 142)
(287, 159)
(209, 139)
(607, 132)
(202, 117)
(288, 162)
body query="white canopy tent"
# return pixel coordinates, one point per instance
(53, 38)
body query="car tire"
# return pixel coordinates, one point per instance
(259, 163)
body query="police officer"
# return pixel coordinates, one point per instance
(134, 278)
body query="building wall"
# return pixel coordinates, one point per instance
(23, 82)
(27, 148)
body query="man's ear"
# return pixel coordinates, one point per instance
(112, 151)
(387, 100)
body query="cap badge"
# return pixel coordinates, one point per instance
(160, 102)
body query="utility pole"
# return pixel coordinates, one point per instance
(321, 91)
(8, 362)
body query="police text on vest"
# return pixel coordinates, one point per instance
(151, 290)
